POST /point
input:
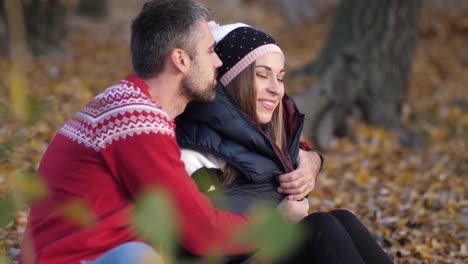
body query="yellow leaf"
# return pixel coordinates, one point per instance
(402, 222)
(78, 212)
(384, 231)
(362, 179)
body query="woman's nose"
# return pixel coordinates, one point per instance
(274, 87)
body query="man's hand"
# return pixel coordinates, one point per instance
(294, 211)
(300, 182)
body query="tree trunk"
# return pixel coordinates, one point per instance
(14, 18)
(297, 10)
(363, 69)
(3, 31)
(93, 8)
(46, 27)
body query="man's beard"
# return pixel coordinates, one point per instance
(189, 90)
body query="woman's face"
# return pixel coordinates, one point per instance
(269, 74)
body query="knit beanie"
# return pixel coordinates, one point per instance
(238, 45)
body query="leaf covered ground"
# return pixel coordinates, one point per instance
(413, 200)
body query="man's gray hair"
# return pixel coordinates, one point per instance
(161, 26)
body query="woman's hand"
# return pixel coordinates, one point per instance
(293, 210)
(298, 183)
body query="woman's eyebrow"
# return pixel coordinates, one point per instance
(266, 67)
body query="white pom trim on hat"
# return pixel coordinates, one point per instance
(220, 32)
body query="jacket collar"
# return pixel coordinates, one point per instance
(225, 117)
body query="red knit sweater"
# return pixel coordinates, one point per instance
(121, 143)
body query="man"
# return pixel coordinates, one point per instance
(122, 143)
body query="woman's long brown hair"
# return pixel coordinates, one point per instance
(242, 89)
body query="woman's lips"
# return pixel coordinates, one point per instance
(269, 105)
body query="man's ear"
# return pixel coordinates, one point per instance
(180, 59)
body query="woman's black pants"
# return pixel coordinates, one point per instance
(336, 237)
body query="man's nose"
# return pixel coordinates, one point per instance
(217, 62)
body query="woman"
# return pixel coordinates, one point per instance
(249, 135)
(243, 141)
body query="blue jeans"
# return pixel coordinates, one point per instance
(131, 252)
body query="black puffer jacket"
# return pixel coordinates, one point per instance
(220, 128)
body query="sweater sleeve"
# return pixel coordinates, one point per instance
(151, 160)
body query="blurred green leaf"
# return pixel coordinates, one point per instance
(205, 178)
(274, 235)
(155, 218)
(37, 109)
(3, 109)
(3, 259)
(4, 149)
(29, 185)
(7, 209)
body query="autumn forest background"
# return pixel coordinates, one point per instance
(405, 174)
